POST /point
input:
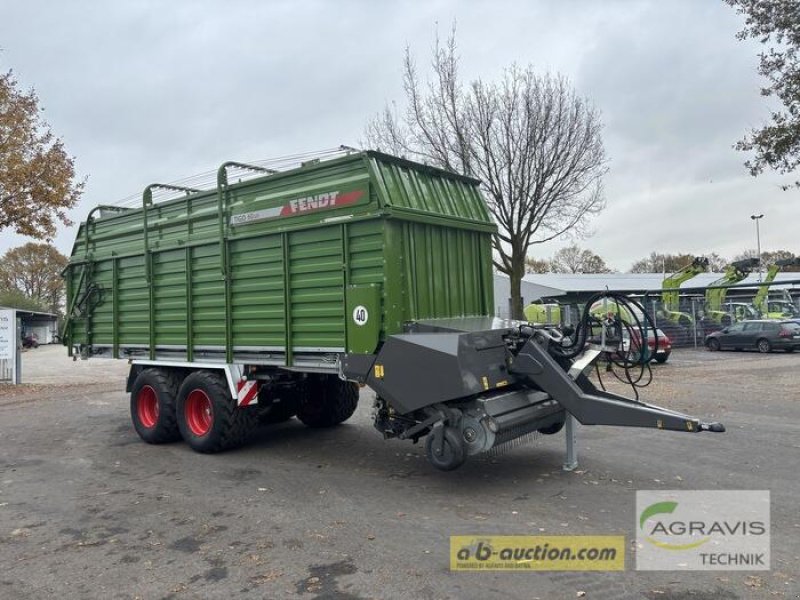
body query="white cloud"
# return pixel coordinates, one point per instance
(154, 91)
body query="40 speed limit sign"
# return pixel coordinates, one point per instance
(360, 315)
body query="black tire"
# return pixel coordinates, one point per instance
(790, 349)
(289, 398)
(277, 413)
(227, 426)
(327, 401)
(552, 429)
(713, 344)
(153, 406)
(662, 358)
(452, 454)
(283, 410)
(763, 346)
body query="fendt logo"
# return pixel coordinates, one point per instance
(313, 202)
(703, 530)
(296, 206)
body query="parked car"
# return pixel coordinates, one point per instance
(758, 334)
(30, 341)
(664, 344)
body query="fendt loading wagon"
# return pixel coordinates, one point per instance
(280, 295)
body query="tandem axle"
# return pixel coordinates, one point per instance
(468, 386)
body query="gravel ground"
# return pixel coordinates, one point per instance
(88, 511)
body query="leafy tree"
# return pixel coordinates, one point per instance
(573, 259)
(534, 265)
(16, 299)
(37, 176)
(34, 270)
(661, 263)
(776, 24)
(533, 142)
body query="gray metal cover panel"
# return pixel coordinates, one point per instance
(463, 324)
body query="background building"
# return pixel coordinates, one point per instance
(42, 325)
(568, 288)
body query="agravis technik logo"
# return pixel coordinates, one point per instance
(702, 530)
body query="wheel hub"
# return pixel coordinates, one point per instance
(199, 414)
(147, 407)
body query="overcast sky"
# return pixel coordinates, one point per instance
(156, 91)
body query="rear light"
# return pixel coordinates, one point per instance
(785, 333)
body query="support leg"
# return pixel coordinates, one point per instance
(571, 458)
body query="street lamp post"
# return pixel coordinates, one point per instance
(757, 218)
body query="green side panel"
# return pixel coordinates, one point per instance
(395, 284)
(101, 327)
(208, 298)
(363, 318)
(257, 292)
(316, 289)
(446, 272)
(169, 297)
(410, 188)
(134, 315)
(75, 327)
(366, 252)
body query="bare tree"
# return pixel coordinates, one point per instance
(746, 255)
(769, 258)
(662, 263)
(535, 265)
(574, 259)
(533, 142)
(716, 263)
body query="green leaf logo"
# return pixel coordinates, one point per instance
(667, 507)
(656, 509)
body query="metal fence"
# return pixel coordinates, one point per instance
(689, 321)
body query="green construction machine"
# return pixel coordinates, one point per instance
(670, 296)
(543, 312)
(772, 308)
(782, 308)
(717, 292)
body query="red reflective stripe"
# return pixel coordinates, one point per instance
(341, 200)
(247, 392)
(349, 197)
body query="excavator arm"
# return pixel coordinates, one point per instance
(734, 273)
(670, 296)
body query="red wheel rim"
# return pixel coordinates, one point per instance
(147, 407)
(199, 414)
